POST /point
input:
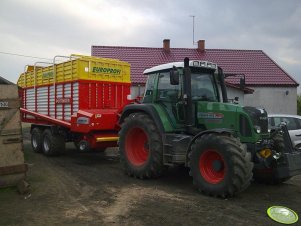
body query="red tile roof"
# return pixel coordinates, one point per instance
(259, 69)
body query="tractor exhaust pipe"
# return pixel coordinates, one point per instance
(223, 86)
(187, 95)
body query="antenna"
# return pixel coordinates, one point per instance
(193, 42)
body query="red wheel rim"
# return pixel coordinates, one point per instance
(136, 146)
(212, 166)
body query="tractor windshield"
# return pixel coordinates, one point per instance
(203, 88)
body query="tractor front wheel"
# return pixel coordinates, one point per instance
(140, 147)
(220, 165)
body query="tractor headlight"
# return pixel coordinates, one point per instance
(205, 64)
(257, 129)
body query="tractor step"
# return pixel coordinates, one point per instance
(175, 148)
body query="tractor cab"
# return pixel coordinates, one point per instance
(173, 91)
(193, 96)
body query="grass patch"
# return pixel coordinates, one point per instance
(27, 156)
(7, 189)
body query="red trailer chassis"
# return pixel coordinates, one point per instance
(78, 101)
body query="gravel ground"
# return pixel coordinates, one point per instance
(91, 189)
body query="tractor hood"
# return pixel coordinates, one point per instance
(247, 121)
(259, 118)
(213, 115)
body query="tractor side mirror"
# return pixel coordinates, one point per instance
(236, 100)
(174, 76)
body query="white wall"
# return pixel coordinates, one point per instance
(137, 91)
(274, 99)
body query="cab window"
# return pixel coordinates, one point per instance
(149, 88)
(166, 91)
(202, 87)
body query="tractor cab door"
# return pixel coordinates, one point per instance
(169, 97)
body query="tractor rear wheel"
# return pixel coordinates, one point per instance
(140, 147)
(220, 165)
(52, 144)
(36, 139)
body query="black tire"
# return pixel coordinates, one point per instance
(36, 140)
(82, 146)
(141, 147)
(52, 144)
(269, 177)
(220, 165)
(85, 147)
(298, 146)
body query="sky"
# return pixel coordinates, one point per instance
(46, 28)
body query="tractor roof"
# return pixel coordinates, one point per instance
(192, 63)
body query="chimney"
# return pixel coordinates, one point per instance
(166, 45)
(201, 45)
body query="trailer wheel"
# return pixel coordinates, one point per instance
(220, 165)
(52, 144)
(140, 147)
(83, 146)
(36, 140)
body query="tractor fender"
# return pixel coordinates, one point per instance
(216, 131)
(146, 109)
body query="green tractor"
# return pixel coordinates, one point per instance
(185, 119)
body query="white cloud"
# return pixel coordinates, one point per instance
(45, 28)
